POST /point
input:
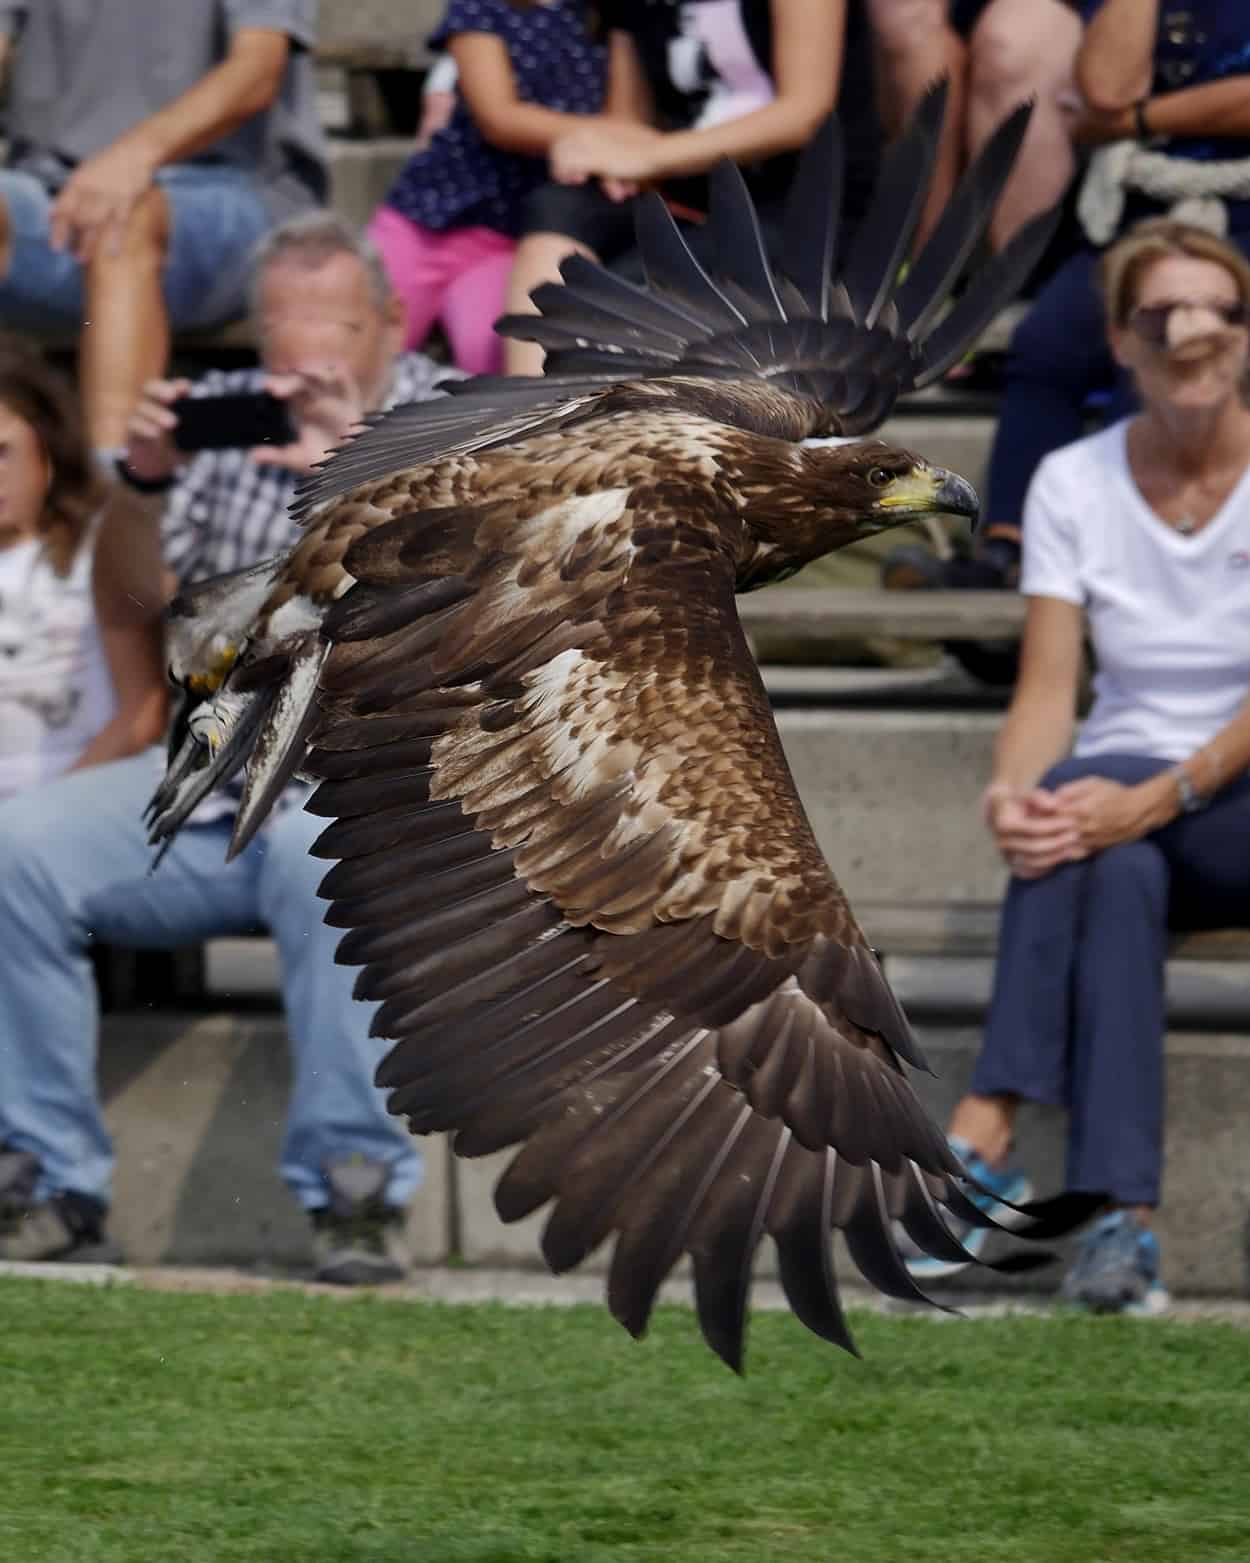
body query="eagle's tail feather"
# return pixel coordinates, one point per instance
(813, 211)
(587, 278)
(960, 229)
(673, 271)
(884, 237)
(997, 282)
(737, 241)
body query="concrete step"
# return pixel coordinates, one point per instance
(940, 961)
(1200, 994)
(361, 173)
(196, 1105)
(892, 797)
(376, 34)
(830, 613)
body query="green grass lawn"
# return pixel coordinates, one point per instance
(138, 1426)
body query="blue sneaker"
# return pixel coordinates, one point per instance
(1004, 1184)
(1117, 1269)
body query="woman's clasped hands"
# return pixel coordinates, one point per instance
(1037, 829)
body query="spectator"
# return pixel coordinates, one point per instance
(996, 54)
(1180, 80)
(1143, 528)
(74, 861)
(151, 144)
(687, 86)
(69, 698)
(527, 73)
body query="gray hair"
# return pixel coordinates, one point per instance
(311, 239)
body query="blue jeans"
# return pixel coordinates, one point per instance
(1078, 1015)
(74, 865)
(217, 218)
(1059, 358)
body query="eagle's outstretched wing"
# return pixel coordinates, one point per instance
(575, 870)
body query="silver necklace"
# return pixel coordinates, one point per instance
(1186, 525)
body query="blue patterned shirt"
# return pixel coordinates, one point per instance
(1199, 41)
(460, 180)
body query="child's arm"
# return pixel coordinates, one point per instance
(806, 66)
(489, 90)
(129, 587)
(628, 94)
(135, 657)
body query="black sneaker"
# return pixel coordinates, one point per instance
(64, 1228)
(993, 565)
(358, 1239)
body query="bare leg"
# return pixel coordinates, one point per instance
(1021, 49)
(537, 260)
(915, 44)
(986, 1123)
(6, 241)
(125, 336)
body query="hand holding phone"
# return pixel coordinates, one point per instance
(150, 452)
(233, 422)
(328, 405)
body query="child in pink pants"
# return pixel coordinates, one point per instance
(447, 229)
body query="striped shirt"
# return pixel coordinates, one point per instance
(226, 512)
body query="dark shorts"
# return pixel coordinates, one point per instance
(965, 14)
(606, 227)
(581, 212)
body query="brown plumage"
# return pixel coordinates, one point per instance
(568, 854)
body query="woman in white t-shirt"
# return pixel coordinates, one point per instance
(1141, 532)
(65, 689)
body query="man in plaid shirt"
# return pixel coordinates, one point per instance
(74, 860)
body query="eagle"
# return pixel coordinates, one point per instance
(567, 853)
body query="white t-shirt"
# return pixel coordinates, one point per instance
(55, 689)
(1169, 616)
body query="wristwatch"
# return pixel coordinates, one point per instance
(1191, 799)
(1145, 136)
(141, 485)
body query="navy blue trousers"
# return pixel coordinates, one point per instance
(1059, 359)
(1077, 1016)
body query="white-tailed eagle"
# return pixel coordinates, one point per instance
(568, 854)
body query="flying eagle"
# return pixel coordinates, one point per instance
(569, 857)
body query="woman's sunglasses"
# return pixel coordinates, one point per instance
(1150, 322)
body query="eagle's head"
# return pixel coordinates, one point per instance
(839, 491)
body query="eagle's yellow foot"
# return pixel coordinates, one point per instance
(208, 682)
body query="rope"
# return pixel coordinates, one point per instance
(1193, 191)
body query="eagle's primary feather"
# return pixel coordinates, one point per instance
(568, 855)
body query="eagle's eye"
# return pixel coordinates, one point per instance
(878, 477)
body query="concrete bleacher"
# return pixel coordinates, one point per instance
(196, 1095)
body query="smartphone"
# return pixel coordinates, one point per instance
(232, 422)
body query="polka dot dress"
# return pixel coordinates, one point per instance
(461, 181)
